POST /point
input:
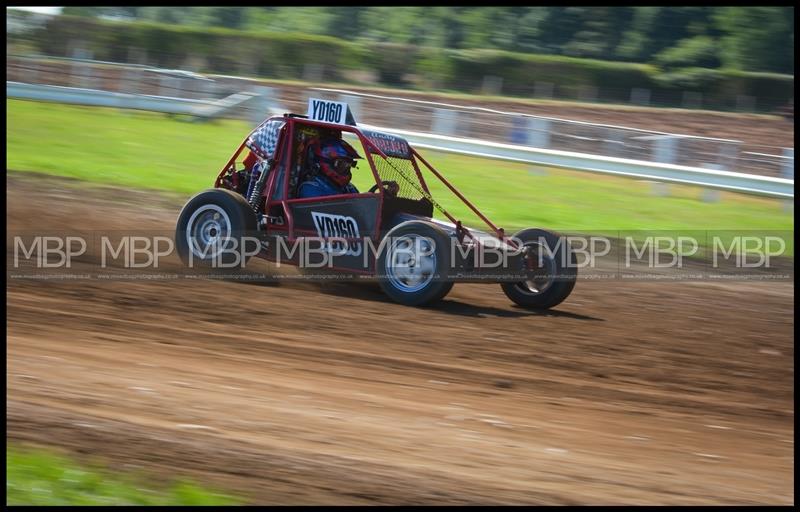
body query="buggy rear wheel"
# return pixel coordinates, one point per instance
(551, 279)
(216, 229)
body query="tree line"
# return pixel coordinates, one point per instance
(747, 38)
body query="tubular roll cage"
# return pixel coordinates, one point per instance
(282, 155)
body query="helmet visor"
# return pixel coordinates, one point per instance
(342, 166)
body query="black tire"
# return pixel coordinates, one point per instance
(209, 216)
(553, 283)
(399, 281)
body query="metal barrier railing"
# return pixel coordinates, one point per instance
(640, 169)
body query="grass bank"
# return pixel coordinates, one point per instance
(155, 151)
(35, 476)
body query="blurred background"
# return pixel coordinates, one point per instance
(549, 64)
(734, 58)
(661, 118)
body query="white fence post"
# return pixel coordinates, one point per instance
(539, 132)
(163, 86)
(788, 173)
(81, 75)
(444, 121)
(614, 142)
(664, 151)
(34, 73)
(260, 106)
(210, 89)
(711, 195)
(788, 166)
(536, 133)
(728, 153)
(131, 79)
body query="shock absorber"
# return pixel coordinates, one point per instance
(255, 172)
(257, 180)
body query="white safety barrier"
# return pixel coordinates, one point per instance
(99, 98)
(722, 180)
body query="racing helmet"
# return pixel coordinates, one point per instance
(335, 158)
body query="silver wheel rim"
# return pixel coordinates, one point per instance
(411, 263)
(208, 226)
(542, 278)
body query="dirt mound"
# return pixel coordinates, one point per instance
(627, 393)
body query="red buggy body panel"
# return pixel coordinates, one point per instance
(389, 157)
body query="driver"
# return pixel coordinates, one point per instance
(331, 161)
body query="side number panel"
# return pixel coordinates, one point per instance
(352, 219)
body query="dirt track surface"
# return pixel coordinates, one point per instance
(293, 393)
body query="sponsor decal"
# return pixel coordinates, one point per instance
(391, 145)
(329, 225)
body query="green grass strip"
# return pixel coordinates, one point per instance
(40, 477)
(155, 151)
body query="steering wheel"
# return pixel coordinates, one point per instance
(390, 187)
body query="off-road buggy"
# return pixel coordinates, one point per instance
(387, 233)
